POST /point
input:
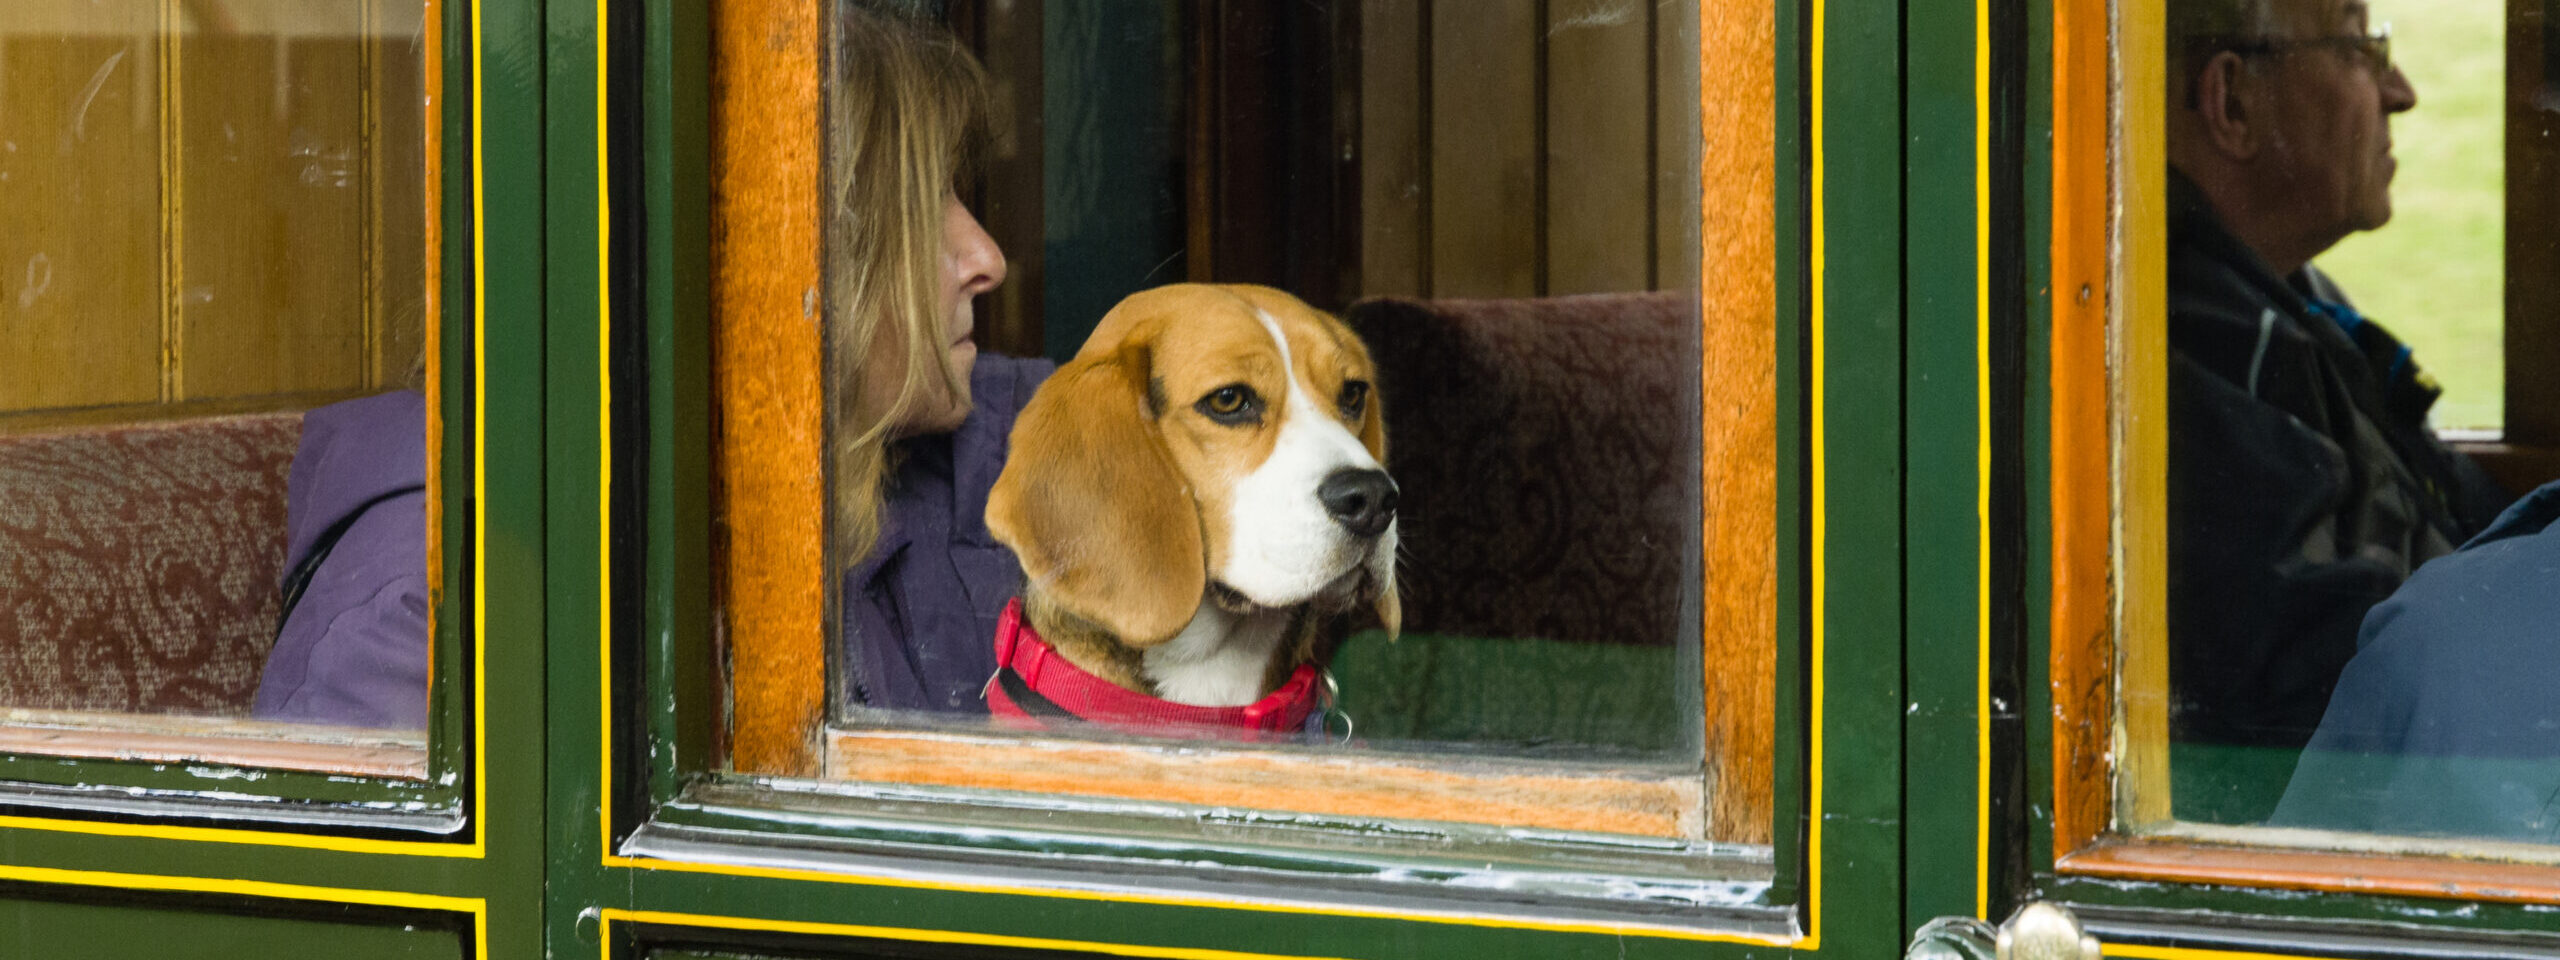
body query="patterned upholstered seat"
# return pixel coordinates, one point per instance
(139, 564)
(1547, 453)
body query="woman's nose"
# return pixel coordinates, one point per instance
(975, 260)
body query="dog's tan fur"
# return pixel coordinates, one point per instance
(1115, 491)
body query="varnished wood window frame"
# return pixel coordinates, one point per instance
(767, 160)
(2109, 495)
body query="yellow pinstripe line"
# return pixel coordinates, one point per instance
(608, 916)
(604, 432)
(1982, 464)
(476, 907)
(1819, 262)
(2145, 952)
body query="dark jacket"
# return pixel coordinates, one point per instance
(919, 613)
(2304, 484)
(2447, 721)
(353, 648)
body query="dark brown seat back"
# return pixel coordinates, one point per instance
(1547, 454)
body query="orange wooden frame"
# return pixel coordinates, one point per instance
(767, 235)
(767, 240)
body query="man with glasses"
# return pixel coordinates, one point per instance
(2304, 482)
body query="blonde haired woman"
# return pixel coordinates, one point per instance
(919, 417)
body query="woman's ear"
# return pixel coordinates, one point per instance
(2221, 93)
(1090, 502)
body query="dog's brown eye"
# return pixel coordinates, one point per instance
(1232, 404)
(1354, 399)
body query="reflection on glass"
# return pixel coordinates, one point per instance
(2305, 480)
(2438, 269)
(2446, 722)
(1229, 501)
(213, 218)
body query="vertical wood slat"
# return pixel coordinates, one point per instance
(1677, 142)
(1010, 205)
(272, 290)
(1598, 160)
(766, 182)
(1395, 242)
(396, 169)
(79, 214)
(1484, 157)
(1737, 176)
(2533, 254)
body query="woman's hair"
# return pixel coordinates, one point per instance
(906, 108)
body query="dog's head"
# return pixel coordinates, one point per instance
(1207, 438)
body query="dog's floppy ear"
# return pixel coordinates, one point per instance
(1090, 502)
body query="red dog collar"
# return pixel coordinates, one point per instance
(1036, 687)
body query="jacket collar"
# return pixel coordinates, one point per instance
(1035, 687)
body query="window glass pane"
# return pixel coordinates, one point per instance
(1205, 500)
(215, 269)
(2316, 593)
(1318, 378)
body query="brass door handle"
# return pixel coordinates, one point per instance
(2038, 931)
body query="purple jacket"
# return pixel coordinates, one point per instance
(353, 650)
(920, 612)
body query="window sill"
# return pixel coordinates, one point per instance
(1628, 801)
(2189, 861)
(346, 751)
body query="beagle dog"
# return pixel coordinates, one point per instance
(1194, 498)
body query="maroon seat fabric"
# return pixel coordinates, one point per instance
(139, 564)
(1547, 455)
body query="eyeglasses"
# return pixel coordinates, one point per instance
(2374, 48)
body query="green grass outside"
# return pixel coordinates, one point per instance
(2435, 274)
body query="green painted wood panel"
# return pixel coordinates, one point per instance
(56, 930)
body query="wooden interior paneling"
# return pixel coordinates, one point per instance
(1484, 123)
(210, 207)
(80, 213)
(270, 289)
(1007, 35)
(1520, 148)
(767, 234)
(1599, 150)
(1394, 224)
(1678, 129)
(2533, 229)
(398, 209)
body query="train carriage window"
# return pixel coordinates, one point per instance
(1317, 382)
(216, 225)
(2336, 576)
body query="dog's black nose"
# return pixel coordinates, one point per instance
(1362, 501)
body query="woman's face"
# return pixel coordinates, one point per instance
(971, 265)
